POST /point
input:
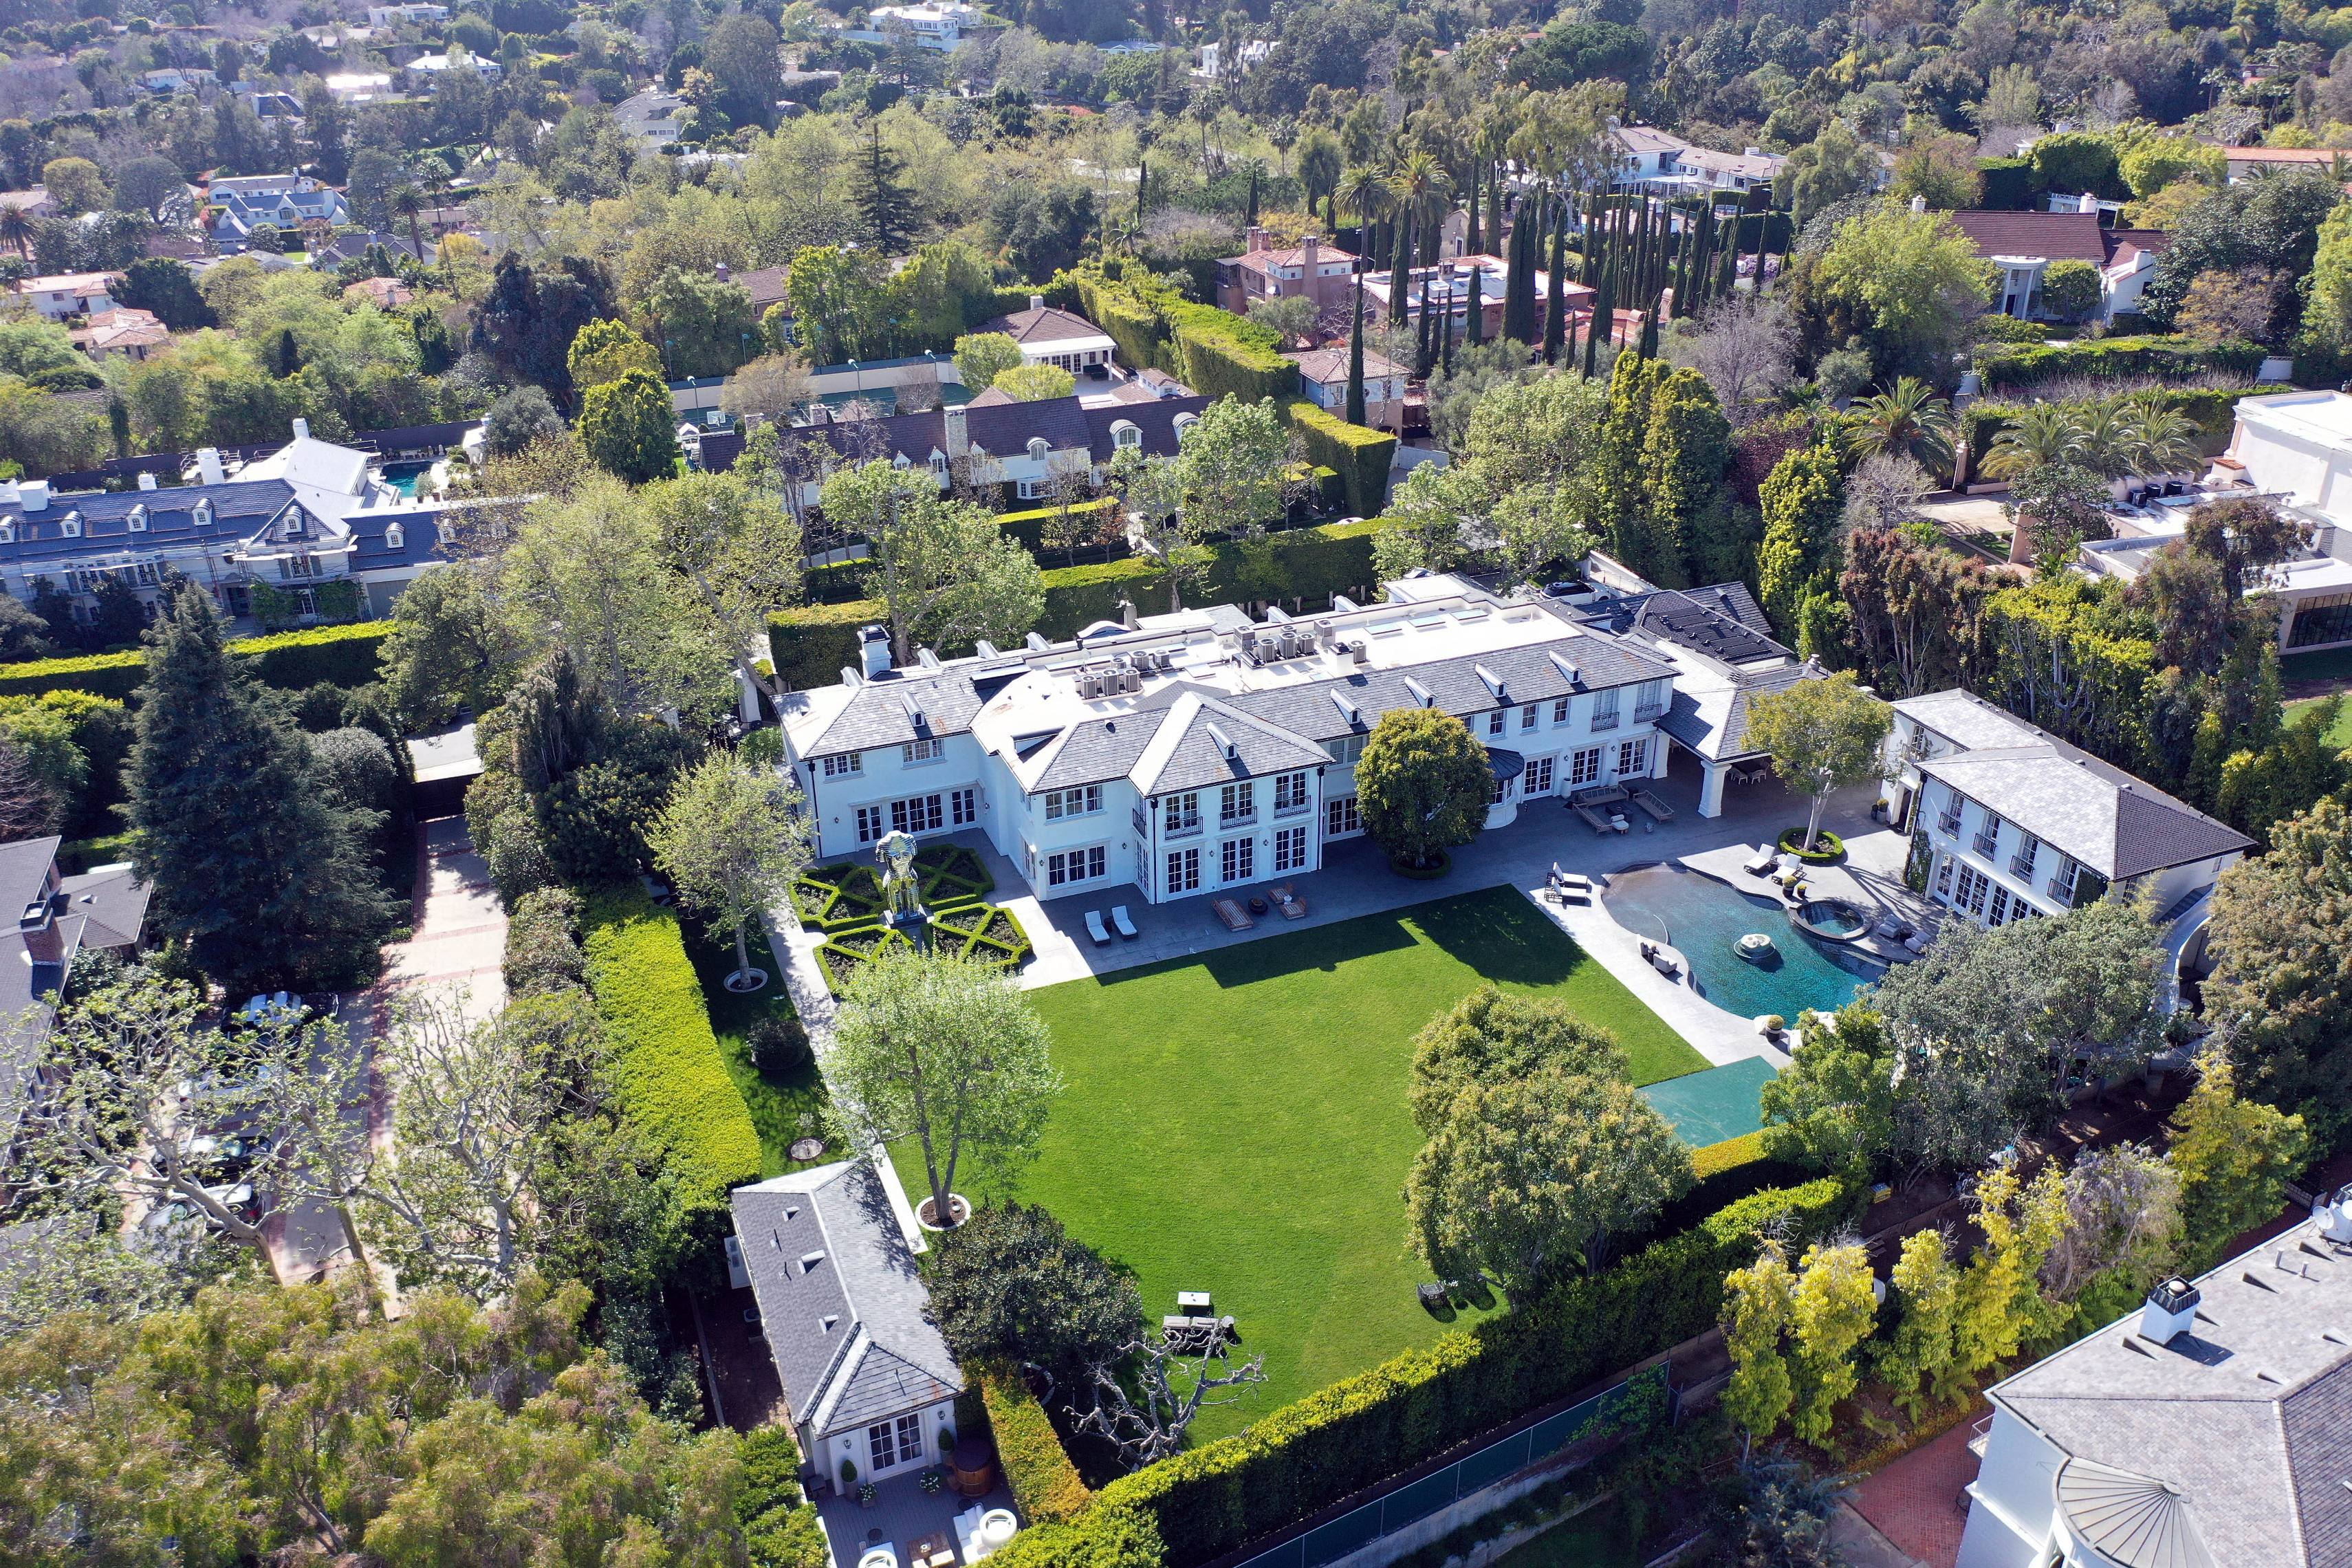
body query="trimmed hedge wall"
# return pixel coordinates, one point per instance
(290, 661)
(811, 643)
(1359, 455)
(2176, 357)
(2009, 183)
(673, 1082)
(1360, 1430)
(1045, 1486)
(1214, 351)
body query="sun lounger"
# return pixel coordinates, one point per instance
(1575, 885)
(1094, 928)
(1119, 919)
(1760, 864)
(1292, 906)
(1593, 819)
(1232, 914)
(1654, 806)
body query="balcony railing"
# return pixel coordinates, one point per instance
(2020, 865)
(1604, 719)
(1243, 818)
(1181, 826)
(1648, 710)
(1294, 808)
(1949, 826)
(1986, 843)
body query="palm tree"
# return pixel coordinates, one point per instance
(1910, 421)
(2159, 440)
(2105, 439)
(2045, 433)
(408, 201)
(14, 229)
(1364, 191)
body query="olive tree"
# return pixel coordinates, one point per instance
(948, 1051)
(1823, 735)
(731, 840)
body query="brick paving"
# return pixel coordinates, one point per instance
(1916, 1501)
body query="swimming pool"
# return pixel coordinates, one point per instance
(1705, 919)
(403, 477)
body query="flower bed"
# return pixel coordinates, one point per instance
(841, 957)
(1828, 846)
(846, 894)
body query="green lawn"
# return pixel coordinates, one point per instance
(778, 1105)
(2339, 733)
(1596, 1538)
(1236, 1122)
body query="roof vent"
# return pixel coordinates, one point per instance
(1348, 711)
(1420, 693)
(1035, 643)
(809, 1260)
(1224, 743)
(914, 713)
(1360, 652)
(827, 1323)
(2172, 1309)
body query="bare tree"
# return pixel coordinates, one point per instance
(1885, 492)
(1133, 1400)
(920, 393)
(1746, 346)
(768, 387)
(28, 807)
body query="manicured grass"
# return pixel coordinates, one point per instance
(778, 1105)
(1596, 1538)
(1236, 1122)
(2339, 733)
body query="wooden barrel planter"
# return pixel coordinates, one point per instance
(972, 1468)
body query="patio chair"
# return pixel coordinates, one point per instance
(1760, 864)
(1124, 927)
(1594, 820)
(1575, 885)
(1094, 928)
(1654, 806)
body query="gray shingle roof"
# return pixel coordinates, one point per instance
(1186, 755)
(881, 711)
(1712, 722)
(1709, 621)
(1099, 750)
(2117, 824)
(2248, 1415)
(1529, 674)
(1006, 429)
(823, 1245)
(1618, 615)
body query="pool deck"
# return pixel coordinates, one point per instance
(1355, 879)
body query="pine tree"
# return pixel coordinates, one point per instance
(884, 204)
(253, 867)
(1356, 358)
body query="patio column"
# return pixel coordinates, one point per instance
(1710, 789)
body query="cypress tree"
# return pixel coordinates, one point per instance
(1356, 359)
(1470, 230)
(1648, 348)
(252, 862)
(1426, 336)
(1251, 218)
(1445, 331)
(1494, 245)
(1515, 260)
(1726, 274)
(1473, 325)
(1401, 267)
(1556, 288)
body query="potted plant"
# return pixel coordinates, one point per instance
(848, 1476)
(867, 1496)
(933, 1480)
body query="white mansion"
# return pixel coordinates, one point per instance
(1203, 750)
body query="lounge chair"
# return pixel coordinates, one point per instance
(1593, 819)
(1124, 927)
(1575, 885)
(1231, 911)
(1654, 806)
(1094, 928)
(1287, 900)
(1760, 864)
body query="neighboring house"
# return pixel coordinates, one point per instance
(1204, 751)
(1720, 647)
(1215, 65)
(1051, 336)
(868, 1377)
(2022, 245)
(273, 108)
(309, 515)
(391, 16)
(58, 918)
(941, 24)
(132, 333)
(66, 295)
(999, 441)
(285, 202)
(2247, 162)
(652, 118)
(1260, 272)
(355, 88)
(385, 293)
(1652, 160)
(2213, 1428)
(1323, 377)
(33, 202)
(429, 69)
(2008, 821)
(1447, 284)
(171, 80)
(766, 285)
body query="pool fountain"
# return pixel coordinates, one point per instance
(1757, 948)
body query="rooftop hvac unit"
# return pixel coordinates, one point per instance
(1090, 686)
(1360, 652)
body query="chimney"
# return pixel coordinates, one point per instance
(2088, 201)
(146, 480)
(2172, 1309)
(1037, 301)
(302, 429)
(959, 441)
(1919, 205)
(208, 466)
(1127, 612)
(1755, 153)
(874, 651)
(1307, 246)
(721, 271)
(1256, 237)
(33, 494)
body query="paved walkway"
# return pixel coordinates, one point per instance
(1919, 1502)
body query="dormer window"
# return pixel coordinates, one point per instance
(8, 531)
(1038, 448)
(1184, 422)
(939, 463)
(138, 519)
(446, 531)
(1126, 437)
(394, 536)
(204, 514)
(72, 525)
(900, 462)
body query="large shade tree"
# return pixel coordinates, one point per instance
(946, 573)
(732, 839)
(1823, 735)
(1422, 785)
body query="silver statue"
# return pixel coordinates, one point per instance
(902, 901)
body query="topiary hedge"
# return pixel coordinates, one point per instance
(1045, 1486)
(672, 1081)
(984, 933)
(780, 1526)
(2164, 358)
(1359, 455)
(811, 643)
(841, 957)
(290, 661)
(1362, 1429)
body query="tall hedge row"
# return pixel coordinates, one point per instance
(811, 643)
(1360, 456)
(672, 1082)
(291, 662)
(1214, 351)
(1038, 1468)
(2175, 358)
(1362, 1429)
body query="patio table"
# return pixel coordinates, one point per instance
(932, 1550)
